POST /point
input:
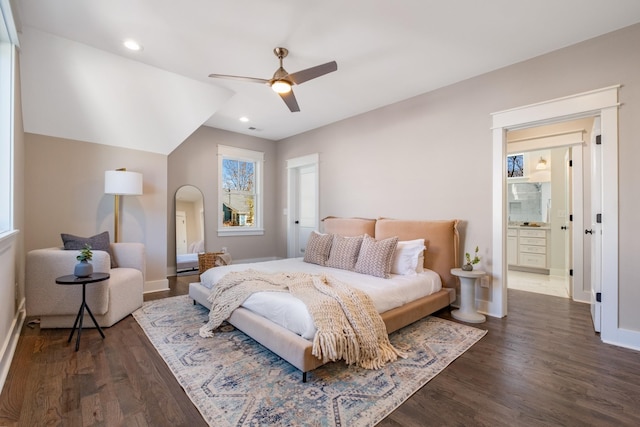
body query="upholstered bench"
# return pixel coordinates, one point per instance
(110, 301)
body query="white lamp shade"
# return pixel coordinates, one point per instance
(123, 183)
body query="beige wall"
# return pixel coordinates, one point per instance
(195, 162)
(64, 193)
(430, 156)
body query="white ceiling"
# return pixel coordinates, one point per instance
(386, 52)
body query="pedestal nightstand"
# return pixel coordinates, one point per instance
(467, 311)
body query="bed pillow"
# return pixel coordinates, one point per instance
(318, 247)
(406, 259)
(344, 252)
(99, 242)
(375, 256)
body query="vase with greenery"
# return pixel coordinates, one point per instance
(468, 266)
(84, 268)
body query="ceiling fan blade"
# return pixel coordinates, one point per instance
(290, 99)
(239, 78)
(313, 72)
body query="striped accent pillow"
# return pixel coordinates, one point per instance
(376, 256)
(344, 252)
(318, 247)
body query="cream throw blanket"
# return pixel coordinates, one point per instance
(348, 325)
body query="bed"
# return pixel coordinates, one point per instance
(440, 240)
(189, 261)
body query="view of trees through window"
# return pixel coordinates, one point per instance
(515, 166)
(238, 185)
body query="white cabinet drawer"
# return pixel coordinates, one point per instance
(512, 232)
(533, 233)
(533, 249)
(532, 241)
(533, 260)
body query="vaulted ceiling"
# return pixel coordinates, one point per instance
(79, 82)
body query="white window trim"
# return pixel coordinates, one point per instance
(8, 39)
(252, 156)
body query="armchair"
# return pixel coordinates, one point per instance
(110, 301)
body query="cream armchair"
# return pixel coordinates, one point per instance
(110, 301)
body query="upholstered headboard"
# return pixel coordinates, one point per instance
(349, 227)
(440, 237)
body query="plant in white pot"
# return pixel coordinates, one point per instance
(84, 268)
(468, 266)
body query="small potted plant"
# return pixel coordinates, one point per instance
(84, 268)
(468, 266)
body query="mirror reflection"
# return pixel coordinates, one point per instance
(189, 206)
(529, 202)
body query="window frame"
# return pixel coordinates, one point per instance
(8, 41)
(257, 157)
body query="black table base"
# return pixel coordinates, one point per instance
(80, 318)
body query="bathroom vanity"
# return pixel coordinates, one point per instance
(528, 248)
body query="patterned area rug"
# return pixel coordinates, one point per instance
(234, 381)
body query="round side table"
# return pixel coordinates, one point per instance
(467, 311)
(74, 280)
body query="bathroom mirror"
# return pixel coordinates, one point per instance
(529, 202)
(189, 210)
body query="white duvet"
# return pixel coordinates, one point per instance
(289, 312)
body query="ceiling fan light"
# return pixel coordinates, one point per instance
(281, 86)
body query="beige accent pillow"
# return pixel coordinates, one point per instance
(318, 247)
(375, 256)
(344, 252)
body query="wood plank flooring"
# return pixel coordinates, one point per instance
(541, 366)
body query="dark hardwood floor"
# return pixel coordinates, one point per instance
(541, 366)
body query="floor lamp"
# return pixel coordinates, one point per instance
(121, 182)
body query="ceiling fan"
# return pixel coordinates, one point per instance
(282, 81)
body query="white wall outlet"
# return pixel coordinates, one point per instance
(484, 282)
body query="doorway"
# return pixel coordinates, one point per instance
(603, 103)
(545, 209)
(303, 203)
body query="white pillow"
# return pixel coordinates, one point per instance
(407, 257)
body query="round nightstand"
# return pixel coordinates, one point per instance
(467, 311)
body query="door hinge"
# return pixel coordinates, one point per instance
(599, 218)
(571, 272)
(598, 139)
(599, 296)
(571, 217)
(570, 163)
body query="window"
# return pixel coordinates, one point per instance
(239, 191)
(515, 166)
(8, 38)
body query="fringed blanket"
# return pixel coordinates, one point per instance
(348, 325)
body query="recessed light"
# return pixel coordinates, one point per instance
(132, 45)
(244, 119)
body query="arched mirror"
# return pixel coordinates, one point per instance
(189, 228)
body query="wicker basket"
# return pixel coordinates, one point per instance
(207, 260)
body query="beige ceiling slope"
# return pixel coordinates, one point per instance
(71, 90)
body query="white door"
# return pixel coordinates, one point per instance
(303, 212)
(567, 228)
(596, 226)
(181, 233)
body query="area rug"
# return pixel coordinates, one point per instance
(234, 381)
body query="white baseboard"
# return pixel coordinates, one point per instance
(11, 342)
(156, 286)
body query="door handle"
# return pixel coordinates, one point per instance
(296, 222)
(564, 227)
(588, 231)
